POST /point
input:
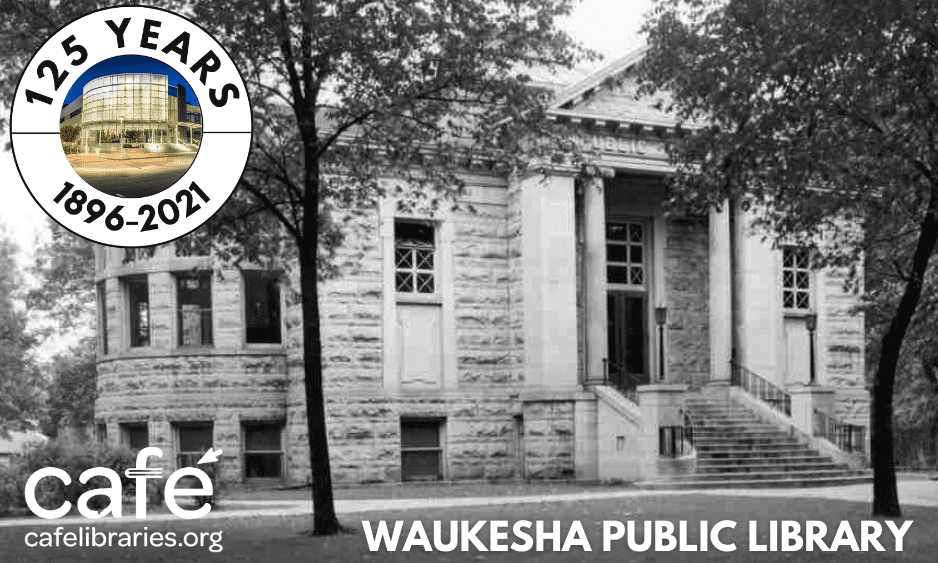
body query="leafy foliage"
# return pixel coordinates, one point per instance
(72, 390)
(358, 101)
(69, 133)
(822, 116)
(20, 381)
(73, 458)
(65, 268)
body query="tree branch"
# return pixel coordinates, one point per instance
(269, 204)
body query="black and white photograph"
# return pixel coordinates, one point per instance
(468, 280)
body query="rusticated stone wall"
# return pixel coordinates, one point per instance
(162, 390)
(686, 286)
(482, 422)
(842, 346)
(549, 439)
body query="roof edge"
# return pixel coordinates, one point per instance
(582, 89)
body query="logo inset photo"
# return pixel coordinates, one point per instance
(131, 126)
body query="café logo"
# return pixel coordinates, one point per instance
(131, 126)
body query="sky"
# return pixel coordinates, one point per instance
(129, 63)
(608, 26)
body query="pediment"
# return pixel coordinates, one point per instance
(609, 98)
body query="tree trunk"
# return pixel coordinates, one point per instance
(882, 456)
(325, 521)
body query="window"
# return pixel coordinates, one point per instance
(194, 308)
(263, 452)
(136, 254)
(135, 435)
(414, 252)
(138, 304)
(100, 432)
(796, 279)
(101, 295)
(262, 307)
(421, 449)
(625, 254)
(192, 441)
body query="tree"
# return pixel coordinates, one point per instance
(344, 96)
(69, 133)
(72, 391)
(65, 294)
(824, 115)
(348, 94)
(65, 269)
(20, 381)
(916, 393)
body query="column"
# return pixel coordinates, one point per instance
(548, 256)
(720, 281)
(594, 282)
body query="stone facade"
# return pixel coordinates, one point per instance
(499, 368)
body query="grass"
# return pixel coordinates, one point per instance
(284, 539)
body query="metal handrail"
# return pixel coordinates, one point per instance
(630, 388)
(629, 383)
(846, 436)
(677, 441)
(760, 388)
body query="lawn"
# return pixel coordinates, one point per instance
(282, 539)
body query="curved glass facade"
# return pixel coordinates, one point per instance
(141, 98)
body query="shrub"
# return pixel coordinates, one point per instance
(73, 458)
(12, 483)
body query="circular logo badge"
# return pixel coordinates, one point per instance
(131, 126)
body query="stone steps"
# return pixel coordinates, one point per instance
(763, 474)
(743, 483)
(793, 460)
(736, 449)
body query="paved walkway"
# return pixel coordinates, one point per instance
(912, 492)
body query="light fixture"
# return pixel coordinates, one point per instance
(810, 322)
(661, 318)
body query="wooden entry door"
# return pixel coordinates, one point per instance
(628, 340)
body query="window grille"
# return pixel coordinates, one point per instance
(796, 279)
(414, 257)
(625, 254)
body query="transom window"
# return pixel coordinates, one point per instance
(796, 279)
(625, 253)
(136, 254)
(414, 257)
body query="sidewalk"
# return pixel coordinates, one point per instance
(113, 162)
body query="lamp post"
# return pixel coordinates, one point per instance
(122, 135)
(810, 322)
(661, 318)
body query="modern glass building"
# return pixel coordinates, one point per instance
(141, 107)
